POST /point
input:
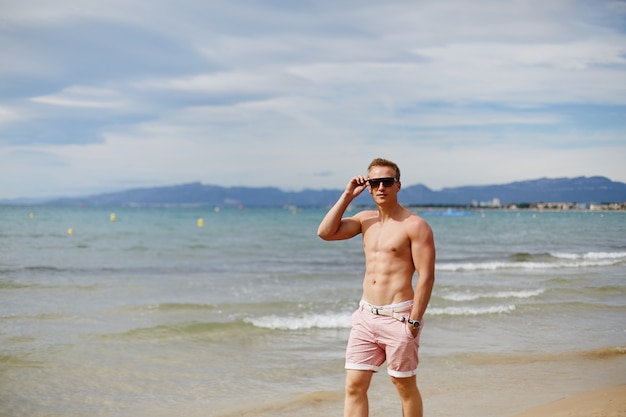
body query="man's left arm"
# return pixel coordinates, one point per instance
(423, 252)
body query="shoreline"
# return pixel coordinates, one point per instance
(606, 402)
(603, 402)
(577, 385)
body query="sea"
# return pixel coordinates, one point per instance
(236, 311)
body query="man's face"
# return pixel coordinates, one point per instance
(382, 190)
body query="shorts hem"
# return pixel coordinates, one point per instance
(398, 374)
(361, 367)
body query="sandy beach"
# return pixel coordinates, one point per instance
(589, 385)
(608, 402)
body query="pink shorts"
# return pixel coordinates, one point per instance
(376, 338)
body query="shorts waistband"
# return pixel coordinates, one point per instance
(390, 310)
(399, 307)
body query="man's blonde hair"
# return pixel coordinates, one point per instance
(382, 162)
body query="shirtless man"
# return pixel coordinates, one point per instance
(387, 326)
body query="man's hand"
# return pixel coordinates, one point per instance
(356, 186)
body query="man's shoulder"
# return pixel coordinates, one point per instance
(416, 224)
(366, 214)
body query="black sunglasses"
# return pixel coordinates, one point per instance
(387, 182)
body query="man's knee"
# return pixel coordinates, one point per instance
(357, 382)
(407, 387)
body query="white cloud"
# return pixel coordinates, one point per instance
(8, 115)
(84, 97)
(258, 82)
(254, 94)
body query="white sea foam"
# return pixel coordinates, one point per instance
(591, 255)
(468, 296)
(342, 320)
(568, 261)
(471, 311)
(320, 321)
(490, 266)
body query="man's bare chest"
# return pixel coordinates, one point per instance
(386, 239)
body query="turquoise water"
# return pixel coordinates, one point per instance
(151, 313)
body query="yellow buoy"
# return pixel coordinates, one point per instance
(31, 214)
(200, 222)
(70, 231)
(112, 217)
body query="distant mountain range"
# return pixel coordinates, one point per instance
(582, 190)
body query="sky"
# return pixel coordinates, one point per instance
(108, 95)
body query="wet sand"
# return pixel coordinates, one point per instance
(579, 385)
(608, 402)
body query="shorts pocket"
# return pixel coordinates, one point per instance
(409, 333)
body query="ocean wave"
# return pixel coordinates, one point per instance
(14, 285)
(566, 263)
(33, 268)
(591, 255)
(320, 321)
(36, 317)
(342, 320)
(309, 401)
(174, 307)
(471, 311)
(467, 296)
(185, 330)
(601, 353)
(533, 261)
(19, 362)
(604, 352)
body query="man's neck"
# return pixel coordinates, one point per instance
(388, 211)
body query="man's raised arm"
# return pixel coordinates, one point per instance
(333, 226)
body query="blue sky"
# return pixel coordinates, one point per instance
(106, 95)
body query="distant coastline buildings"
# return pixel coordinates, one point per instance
(495, 203)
